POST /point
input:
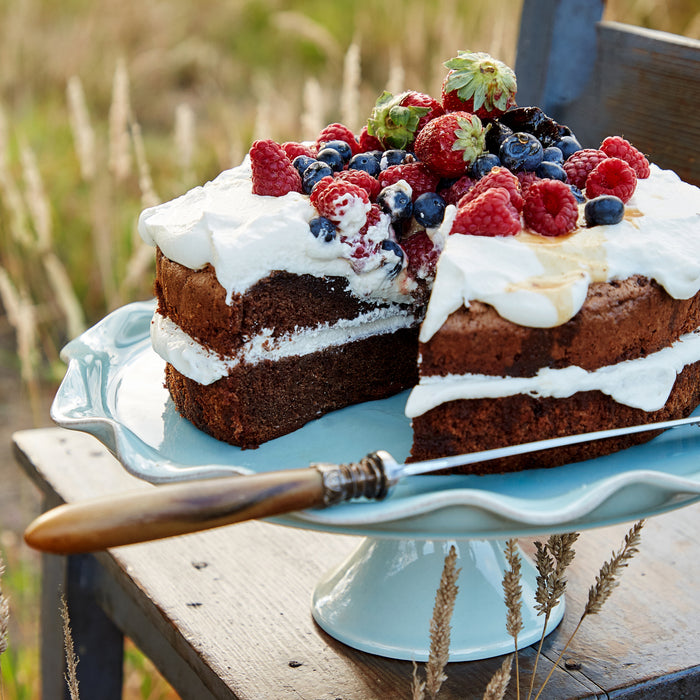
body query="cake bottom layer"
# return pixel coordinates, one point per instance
(257, 403)
(469, 425)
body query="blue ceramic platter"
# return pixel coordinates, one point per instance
(113, 389)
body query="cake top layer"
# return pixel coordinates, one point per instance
(246, 236)
(541, 281)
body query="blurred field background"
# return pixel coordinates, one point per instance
(110, 106)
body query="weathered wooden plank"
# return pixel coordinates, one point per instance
(229, 609)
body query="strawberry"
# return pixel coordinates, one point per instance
(611, 176)
(415, 174)
(550, 208)
(396, 120)
(617, 147)
(478, 83)
(449, 143)
(272, 171)
(489, 214)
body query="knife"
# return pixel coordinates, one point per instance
(192, 506)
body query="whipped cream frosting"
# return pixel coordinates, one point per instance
(542, 282)
(205, 366)
(245, 237)
(643, 383)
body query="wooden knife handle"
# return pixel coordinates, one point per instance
(173, 509)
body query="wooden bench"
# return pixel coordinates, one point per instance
(603, 78)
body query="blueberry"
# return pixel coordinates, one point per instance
(521, 151)
(322, 228)
(391, 157)
(331, 157)
(395, 248)
(553, 154)
(483, 164)
(552, 171)
(429, 209)
(366, 162)
(315, 172)
(578, 194)
(604, 210)
(568, 145)
(342, 147)
(301, 163)
(395, 201)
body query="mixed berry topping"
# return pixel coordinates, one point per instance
(498, 168)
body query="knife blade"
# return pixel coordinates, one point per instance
(192, 506)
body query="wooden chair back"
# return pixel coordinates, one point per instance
(605, 78)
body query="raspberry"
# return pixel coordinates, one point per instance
(344, 203)
(374, 216)
(457, 190)
(490, 214)
(294, 149)
(369, 142)
(273, 172)
(526, 179)
(416, 175)
(611, 176)
(550, 208)
(422, 255)
(580, 164)
(337, 132)
(362, 179)
(498, 177)
(617, 147)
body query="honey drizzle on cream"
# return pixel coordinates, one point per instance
(567, 262)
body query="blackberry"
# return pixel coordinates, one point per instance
(533, 121)
(429, 209)
(496, 135)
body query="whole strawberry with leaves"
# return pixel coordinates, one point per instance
(450, 143)
(478, 83)
(397, 119)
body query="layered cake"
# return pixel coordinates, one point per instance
(521, 285)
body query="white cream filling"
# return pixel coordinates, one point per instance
(643, 383)
(205, 366)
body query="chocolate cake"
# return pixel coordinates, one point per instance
(518, 301)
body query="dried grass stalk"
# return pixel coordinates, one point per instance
(606, 581)
(65, 295)
(4, 613)
(83, 133)
(119, 117)
(149, 198)
(513, 591)
(552, 560)
(312, 117)
(350, 96)
(72, 660)
(498, 685)
(36, 199)
(185, 141)
(417, 685)
(397, 74)
(440, 625)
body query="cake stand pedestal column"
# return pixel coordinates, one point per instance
(381, 598)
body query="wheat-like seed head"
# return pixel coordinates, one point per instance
(496, 689)
(312, 116)
(71, 657)
(119, 117)
(350, 96)
(513, 590)
(440, 625)
(83, 133)
(417, 685)
(4, 613)
(552, 560)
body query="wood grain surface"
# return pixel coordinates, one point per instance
(229, 610)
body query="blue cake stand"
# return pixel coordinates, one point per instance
(380, 599)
